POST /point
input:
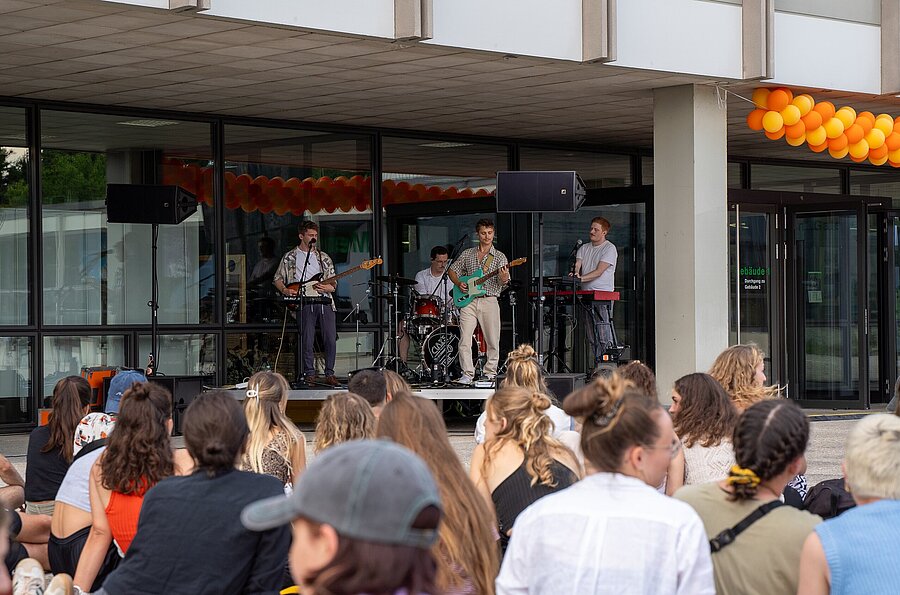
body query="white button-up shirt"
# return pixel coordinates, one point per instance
(608, 533)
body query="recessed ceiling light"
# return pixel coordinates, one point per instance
(445, 145)
(148, 123)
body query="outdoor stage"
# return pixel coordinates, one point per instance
(436, 394)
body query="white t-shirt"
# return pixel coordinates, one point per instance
(312, 268)
(591, 256)
(607, 534)
(426, 284)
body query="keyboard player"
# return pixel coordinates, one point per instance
(595, 268)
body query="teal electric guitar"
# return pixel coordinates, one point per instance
(474, 283)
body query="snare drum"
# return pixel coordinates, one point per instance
(426, 310)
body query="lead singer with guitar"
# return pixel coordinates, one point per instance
(291, 270)
(484, 309)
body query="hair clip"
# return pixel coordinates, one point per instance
(253, 393)
(605, 419)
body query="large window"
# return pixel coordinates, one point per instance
(598, 170)
(66, 355)
(13, 218)
(16, 365)
(795, 179)
(98, 273)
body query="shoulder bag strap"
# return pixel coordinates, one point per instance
(728, 535)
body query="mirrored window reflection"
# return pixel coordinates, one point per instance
(95, 272)
(16, 403)
(795, 179)
(882, 182)
(66, 355)
(14, 195)
(276, 178)
(248, 353)
(183, 355)
(598, 170)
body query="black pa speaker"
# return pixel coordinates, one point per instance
(534, 191)
(184, 390)
(561, 385)
(147, 203)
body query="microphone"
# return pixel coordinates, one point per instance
(312, 241)
(577, 246)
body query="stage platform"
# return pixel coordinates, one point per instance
(436, 394)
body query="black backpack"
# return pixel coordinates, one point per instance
(828, 499)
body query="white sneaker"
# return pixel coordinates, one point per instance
(28, 578)
(465, 379)
(60, 585)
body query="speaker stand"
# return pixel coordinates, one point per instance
(154, 302)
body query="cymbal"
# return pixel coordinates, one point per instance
(396, 280)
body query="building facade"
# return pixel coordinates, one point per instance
(386, 123)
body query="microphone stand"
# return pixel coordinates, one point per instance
(355, 311)
(574, 256)
(302, 294)
(446, 311)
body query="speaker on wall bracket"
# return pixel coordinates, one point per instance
(148, 203)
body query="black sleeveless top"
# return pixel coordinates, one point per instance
(515, 494)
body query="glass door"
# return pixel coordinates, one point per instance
(827, 306)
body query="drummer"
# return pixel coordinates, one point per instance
(427, 281)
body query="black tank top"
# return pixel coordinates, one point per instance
(515, 494)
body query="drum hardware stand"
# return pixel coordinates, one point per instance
(355, 313)
(556, 354)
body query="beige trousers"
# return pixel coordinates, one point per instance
(486, 312)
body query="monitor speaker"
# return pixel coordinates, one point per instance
(147, 203)
(184, 390)
(539, 191)
(562, 385)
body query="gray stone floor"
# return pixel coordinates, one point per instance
(826, 447)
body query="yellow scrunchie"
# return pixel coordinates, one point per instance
(742, 476)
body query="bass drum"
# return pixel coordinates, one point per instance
(439, 345)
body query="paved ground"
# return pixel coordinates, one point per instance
(826, 448)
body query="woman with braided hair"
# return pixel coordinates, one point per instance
(612, 532)
(769, 442)
(520, 461)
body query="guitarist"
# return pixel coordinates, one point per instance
(291, 270)
(483, 310)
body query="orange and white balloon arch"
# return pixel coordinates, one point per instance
(822, 127)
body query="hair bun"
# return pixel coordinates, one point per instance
(540, 402)
(598, 400)
(522, 352)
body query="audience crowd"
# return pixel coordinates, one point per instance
(600, 491)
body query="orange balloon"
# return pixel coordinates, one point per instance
(878, 153)
(775, 135)
(833, 128)
(894, 163)
(795, 131)
(838, 154)
(857, 159)
(812, 120)
(755, 119)
(846, 115)
(761, 98)
(865, 121)
(859, 150)
(817, 137)
(836, 144)
(855, 133)
(818, 148)
(804, 103)
(795, 142)
(894, 155)
(875, 138)
(773, 122)
(892, 142)
(884, 123)
(879, 161)
(790, 114)
(825, 109)
(779, 99)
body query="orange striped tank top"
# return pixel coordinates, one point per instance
(122, 512)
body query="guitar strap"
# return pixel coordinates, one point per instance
(488, 262)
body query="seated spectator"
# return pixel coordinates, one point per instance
(50, 446)
(343, 417)
(138, 454)
(520, 461)
(371, 386)
(612, 532)
(190, 539)
(118, 384)
(522, 370)
(72, 515)
(704, 418)
(769, 445)
(276, 447)
(641, 376)
(856, 552)
(466, 551)
(12, 495)
(394, 384)
(27, 538)
(376, 538)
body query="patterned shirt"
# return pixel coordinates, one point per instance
(287, 270)
(467, 264)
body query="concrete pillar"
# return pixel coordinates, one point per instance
(690, 211)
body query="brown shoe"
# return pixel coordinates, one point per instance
(331, 381)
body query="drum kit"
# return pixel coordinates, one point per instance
(433, 326)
